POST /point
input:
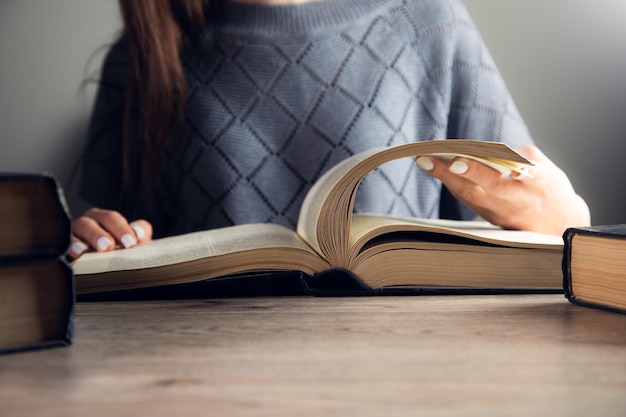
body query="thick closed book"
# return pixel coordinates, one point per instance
(34, 218)
(36, 284)
(382, 254)
(594, 266)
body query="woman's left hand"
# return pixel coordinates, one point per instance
(544, 201)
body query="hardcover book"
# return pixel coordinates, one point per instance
(594, 266)
(380, 254)
(36, 284)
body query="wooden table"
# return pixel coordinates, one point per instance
(496, 355)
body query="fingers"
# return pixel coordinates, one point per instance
(142, 229)
(469, 180)
(77, 248)
(492, 195)
(543, 202)
(104, 230)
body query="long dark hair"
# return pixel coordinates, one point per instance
(155, 33)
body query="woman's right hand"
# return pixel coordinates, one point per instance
(104, 230)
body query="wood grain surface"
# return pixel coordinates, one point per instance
(491, 355)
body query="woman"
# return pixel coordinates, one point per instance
(214, 113)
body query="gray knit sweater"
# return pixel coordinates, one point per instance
(278, 94)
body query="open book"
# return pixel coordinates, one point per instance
(378, 252)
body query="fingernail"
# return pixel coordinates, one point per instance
(425, 163)
(78, 248)
(458, 167)
(128, 241)
(138, 231)
(103, 243)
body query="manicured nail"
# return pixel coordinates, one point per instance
(458, 167)
(128, 241)
(138, 231)
(78, 248)
(425, 163)
(103, 243)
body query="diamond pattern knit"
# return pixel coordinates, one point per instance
(279, 94)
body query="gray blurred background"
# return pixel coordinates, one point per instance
(564, 62)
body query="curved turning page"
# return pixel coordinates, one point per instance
(326, 213)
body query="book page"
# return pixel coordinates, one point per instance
(366, 227)
(440, 265)
(597, 265)
(506, 168)
(331, 193)
(190, 247)
(326, 212)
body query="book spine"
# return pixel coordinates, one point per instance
(66, 337)
(43, 181)
(617, 231)
(567, 262)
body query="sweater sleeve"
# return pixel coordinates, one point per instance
(101, 175)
